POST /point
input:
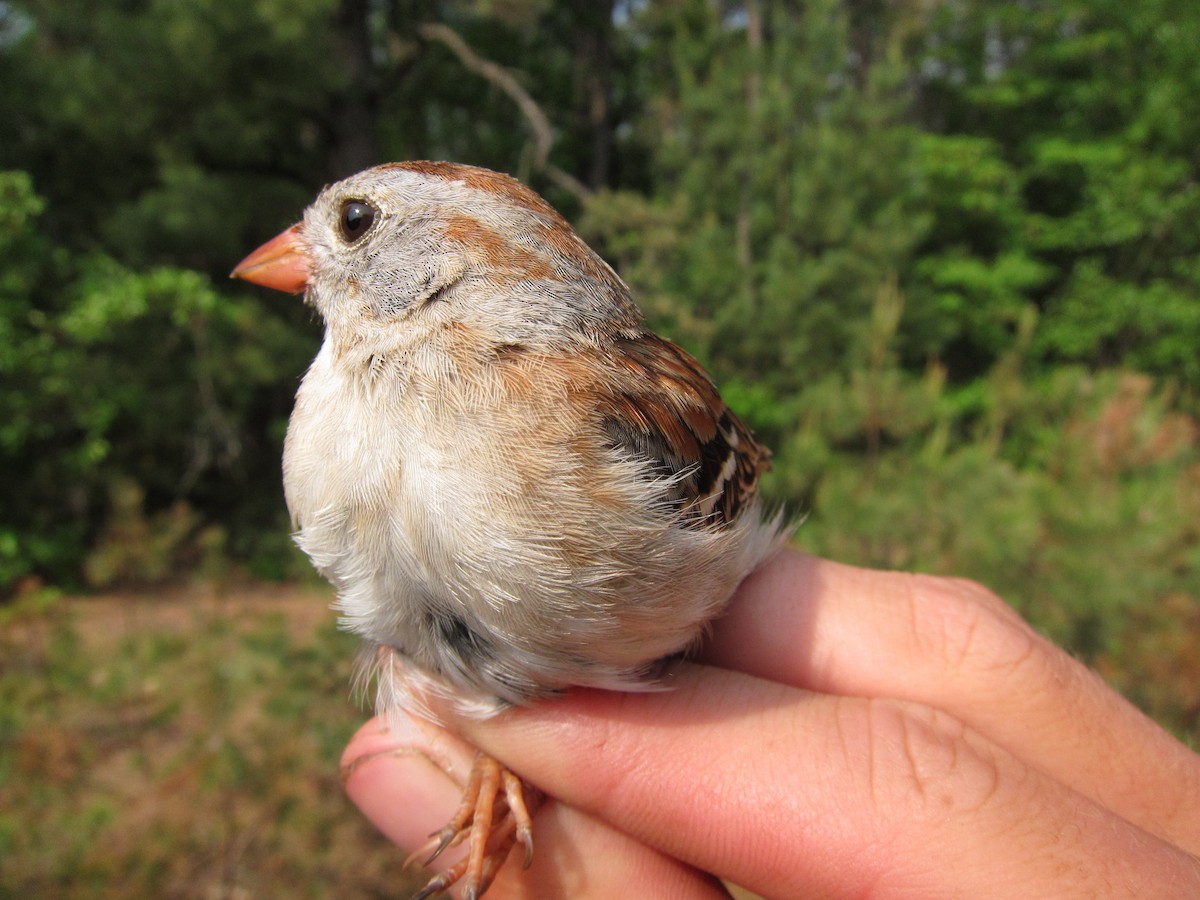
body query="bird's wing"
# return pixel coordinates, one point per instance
(657, 403)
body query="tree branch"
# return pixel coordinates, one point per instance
(543, 133)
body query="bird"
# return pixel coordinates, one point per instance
(513, 484)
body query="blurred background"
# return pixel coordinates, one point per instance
(943, 255)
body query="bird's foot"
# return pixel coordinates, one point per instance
(494, 816)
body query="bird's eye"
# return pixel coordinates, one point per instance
(355, 220)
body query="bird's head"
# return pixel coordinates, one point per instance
(423, 245)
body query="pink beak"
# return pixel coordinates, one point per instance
(281, 263)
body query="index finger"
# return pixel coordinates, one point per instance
(952, 645)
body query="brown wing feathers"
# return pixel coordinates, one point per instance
(665, 407)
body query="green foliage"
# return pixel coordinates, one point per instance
(771, 224)
(1083, 515)
(974, 277)
(1061, 144)
(116, 377)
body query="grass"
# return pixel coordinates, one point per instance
(182, 744)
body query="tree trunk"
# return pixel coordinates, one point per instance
(593, 57)
(355, 137)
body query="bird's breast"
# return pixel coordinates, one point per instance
(485, 531)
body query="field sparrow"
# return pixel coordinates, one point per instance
(514, 486)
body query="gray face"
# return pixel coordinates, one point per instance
(397, 244)
(376, 247)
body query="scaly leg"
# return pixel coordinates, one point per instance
(490, 833)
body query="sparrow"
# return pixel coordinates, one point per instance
(514, 486)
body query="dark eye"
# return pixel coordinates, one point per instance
(355, 220)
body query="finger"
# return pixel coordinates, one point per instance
(954, 646)
(407, 779)
(791, 793)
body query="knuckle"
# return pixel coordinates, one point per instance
(968, 628)
(928, 764)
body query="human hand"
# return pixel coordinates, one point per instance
(845, 732)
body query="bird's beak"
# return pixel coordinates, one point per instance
(281, 263)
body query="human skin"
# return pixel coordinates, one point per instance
(843, 733)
